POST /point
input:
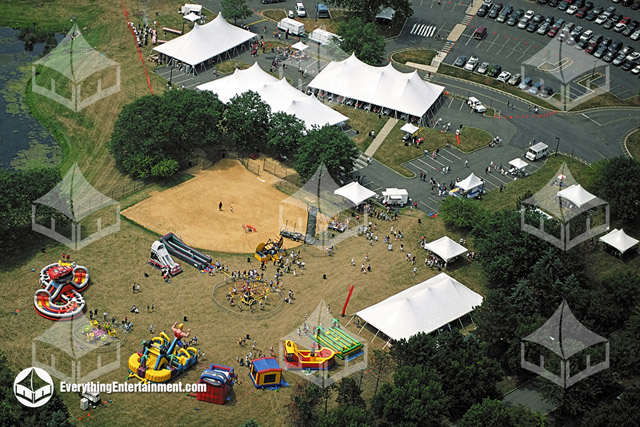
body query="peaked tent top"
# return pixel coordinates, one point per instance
(576, 195)
(205, 41)
(191, 17)
(518, 163)
(563, 334)
(299, 46)
(470, 182)
(74, 58)
(619, 240)
(74, 196)
(409, 128)
(355, 192)
(424, 307)
(446, 248)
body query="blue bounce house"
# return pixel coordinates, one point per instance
(267, 374)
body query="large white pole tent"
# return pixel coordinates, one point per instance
(619, 240)
(425, 307)
(209, 42)
(278, 94)
(404, 94)
(446, 248)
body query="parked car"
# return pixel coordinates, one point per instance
(525, 83)
(553, 3)
(610, 11)
(504, 76)
(615, 46)
(609, 24)
(494, 70)
(514, 80)
(538, 18)
(600, 52)
(529, 14)
(636, 70)
(593, 46)
(544, 28)
(532, 27)
(619, 27)
(564, 6)
(601, 19)
(628, 65)
(300, 10)
(631, 28)
(460, 61)
(523, 23)
(515, 17)
(635, 35)
(495, 10)
(618, 60)
(576, 32)
(635, 6)
(609, 56)
(471, 64)
(482, 69)
(504, 14)
(482, 12)
(586, 35)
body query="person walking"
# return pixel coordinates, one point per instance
(466, 163)
(220, 206)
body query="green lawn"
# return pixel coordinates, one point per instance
(418, 56)
(633, 144)
(228, 67)
(363, 122)
(393, 152)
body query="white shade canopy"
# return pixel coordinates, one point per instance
(422, 308)
(355, 192)
(518, 163)
(576, 195)
(445, 248)
(409, 128)
(191, 17)
(469, 183)
(205, 42)
(383, 86)
(278, 94)
(299, 46)
(619, 240)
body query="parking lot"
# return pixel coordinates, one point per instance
(510, 47)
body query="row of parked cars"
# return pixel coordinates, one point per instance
(474, 65)
(536, 22)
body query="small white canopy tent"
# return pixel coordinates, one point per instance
(409, 128)
(446, 248)
(619, 240)
(278, 94)
(191, 17)
(518, 163)
(469, 183)
(299, 46)
(576, 195)
(424, 307)
(204, 42)
(355, 193)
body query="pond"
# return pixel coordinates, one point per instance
(24, 141)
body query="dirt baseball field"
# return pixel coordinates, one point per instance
(190, 210)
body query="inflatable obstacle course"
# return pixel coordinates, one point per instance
(60, 298)
(177, 248)
(345, 347)
(322, 359)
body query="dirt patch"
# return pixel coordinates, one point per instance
(190, 210)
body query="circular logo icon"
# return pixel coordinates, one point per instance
(33, 387)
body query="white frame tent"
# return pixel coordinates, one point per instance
(410, 129)
(355, 193)
(210, 41)
(446, 248)
(576, 195)
(277, 93)
(425, 307)
(518, 163)
(299, 46)
(385, 87)
(619, 240)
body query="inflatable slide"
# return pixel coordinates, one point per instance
(180, 250)
(161, 259)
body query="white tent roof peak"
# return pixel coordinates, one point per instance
(355, 192)
(619, 240)
(191, 17)
(409, 128)
(424, 307)
(299, 46)
(445, 248)
(470, 182)
(576, 195)
(518, 163)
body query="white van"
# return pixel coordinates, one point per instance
(476, 105)
(537, 151)
(300, 10)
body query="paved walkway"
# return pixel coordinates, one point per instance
(384, 132)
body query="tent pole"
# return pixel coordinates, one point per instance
(374, 337)
(474, 323)
(461, 324)
(386, 344)
(350, 320)
(365, 324)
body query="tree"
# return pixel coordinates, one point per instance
(625, 349)
(246, 120)
(415, 399)
(303, 405)
(251, 423)
(617, 181)
(328, 145)
(368, 9)
(285, 133)
(350, 393)
(235, 9)
(615, 300)
(496, 413)
(461, 212)
(347, 416)
(580, 397)
(380, 363)
(154, 136)
(623, 411)
(361, 39)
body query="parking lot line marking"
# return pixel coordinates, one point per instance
(422, 161)
(448, 160)
(257, 22)
(461, 104)
(418, 167)
(524, 52)
(430, 207)
(513, 49)
(450, 103)
(451, 154)
(502, 47)
(591, 119)
(600, 154)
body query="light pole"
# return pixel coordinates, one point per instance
(558, 144)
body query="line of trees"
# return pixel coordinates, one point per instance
(155, 136)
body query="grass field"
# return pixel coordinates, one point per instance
(363, 122)
(633, 144)
(418, 56)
